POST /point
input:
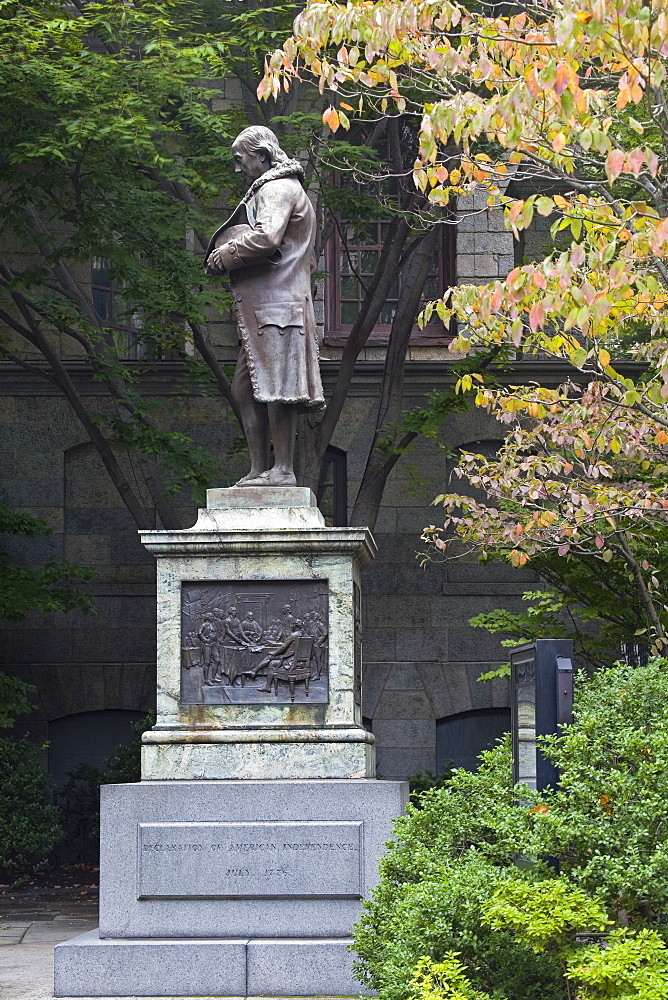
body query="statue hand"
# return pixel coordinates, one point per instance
(214, 264)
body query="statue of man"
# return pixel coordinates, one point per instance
(266, 247)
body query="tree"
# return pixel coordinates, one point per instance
(456, 917)
(108, 149)
(50, 588)
(570, 99)
(113, 150)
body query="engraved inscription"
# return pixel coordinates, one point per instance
(217, 860)
(254, 643)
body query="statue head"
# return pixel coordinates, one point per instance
(256, 150)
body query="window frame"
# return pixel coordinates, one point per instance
(135, 349)
(435, 334)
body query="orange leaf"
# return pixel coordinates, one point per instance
(558, 142)
(331, 118)
(561, 81)
(614, 164)
(531, 81)
(536, 317)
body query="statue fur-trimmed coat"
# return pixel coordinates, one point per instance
(267, 248)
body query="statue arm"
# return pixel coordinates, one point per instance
(274, 204)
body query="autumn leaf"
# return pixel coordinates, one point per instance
(558, 142)
(331, 118)
(540, 810)
(607, 804)
(614, 164)
(536, 317)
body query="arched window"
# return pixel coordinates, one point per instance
(461, 738)
(333, 488)
(87, 738)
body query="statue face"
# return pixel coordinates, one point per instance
(250, 165)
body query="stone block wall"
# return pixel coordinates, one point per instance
(485, 249)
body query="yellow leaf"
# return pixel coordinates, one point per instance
(603, 358)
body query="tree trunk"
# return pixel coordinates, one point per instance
(316, 435)
(381, 461)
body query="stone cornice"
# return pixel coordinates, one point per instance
(306, 541)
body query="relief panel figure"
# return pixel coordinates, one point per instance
(278, 653)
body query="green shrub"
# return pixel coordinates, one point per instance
(124, 765)
(446, 859)
(79, 798)
(493, 890)
(424, 781)
(29, 824)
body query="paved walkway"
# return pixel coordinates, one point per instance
(26, 953)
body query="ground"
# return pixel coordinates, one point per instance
(52, 906)
(47, 908)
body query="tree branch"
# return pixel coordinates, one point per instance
(219, 375)
(623, 549)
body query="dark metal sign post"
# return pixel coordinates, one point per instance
(542, 700)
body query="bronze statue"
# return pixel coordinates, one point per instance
(266, 247)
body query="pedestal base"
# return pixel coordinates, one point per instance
(89, 966)
(231, 888)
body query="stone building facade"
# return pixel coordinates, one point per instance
(95, 673)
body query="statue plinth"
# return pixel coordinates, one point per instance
(238, 865)
(232, 702)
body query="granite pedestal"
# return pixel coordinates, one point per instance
(238, 865)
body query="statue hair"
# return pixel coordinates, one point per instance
(259, 137)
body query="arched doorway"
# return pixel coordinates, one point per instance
(461, 738)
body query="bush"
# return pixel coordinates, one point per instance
(447, 856)
(467, 884)
(424, 781)
(29, 825)
(124, 765)
(79, 798)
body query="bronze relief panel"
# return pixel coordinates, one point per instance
(255, 643)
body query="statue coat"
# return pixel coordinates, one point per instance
(267, 247)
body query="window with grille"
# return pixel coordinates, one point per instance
(109, 304)
(351, 258)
